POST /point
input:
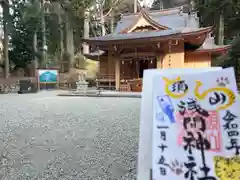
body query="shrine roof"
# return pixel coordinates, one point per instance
(171, 18)
(174, 33)
(167, 22)
(136, 35)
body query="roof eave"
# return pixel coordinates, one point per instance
(172, 36)
(95, 57)
(201, 31)
(197, 37)
(217, 50)
(177, 36)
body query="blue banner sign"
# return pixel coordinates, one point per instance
(48, 76)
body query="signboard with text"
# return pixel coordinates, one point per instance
(144, 166)
(196, 126)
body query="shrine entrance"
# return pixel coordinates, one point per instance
(146, 64)
(142, 66)
(143, 63)
(139, 64)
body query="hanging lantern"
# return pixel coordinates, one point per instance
(122, 62)
(151, 62)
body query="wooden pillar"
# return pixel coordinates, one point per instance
(173, 60)
(109, 62)
(109, 71)
(174, 56)
(159, 62)
(117, 74)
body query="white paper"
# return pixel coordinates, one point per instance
(146, 116)
(169, 160)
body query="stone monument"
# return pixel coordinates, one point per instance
(82, 84)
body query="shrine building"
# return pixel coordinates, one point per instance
(161, 39)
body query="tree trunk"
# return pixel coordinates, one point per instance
(221, 29)
(102, 22)
(161, 5)
(43, 34)
(60, 16)
(5, 6)
(135, 6)
(112, 22)
(192, 5)
(68, 43)
(61, 37)
(35, 50)
(86, 32)
(61, 40)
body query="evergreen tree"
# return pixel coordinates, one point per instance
(21, 52)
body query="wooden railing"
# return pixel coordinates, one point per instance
(105, 81)
(105, 77)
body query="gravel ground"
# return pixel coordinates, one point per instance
(46, 137)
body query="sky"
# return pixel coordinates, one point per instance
(148, 2)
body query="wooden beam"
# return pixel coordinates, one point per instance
(133, 54)
(152, 46)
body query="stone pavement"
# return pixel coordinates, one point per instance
(48, 137)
